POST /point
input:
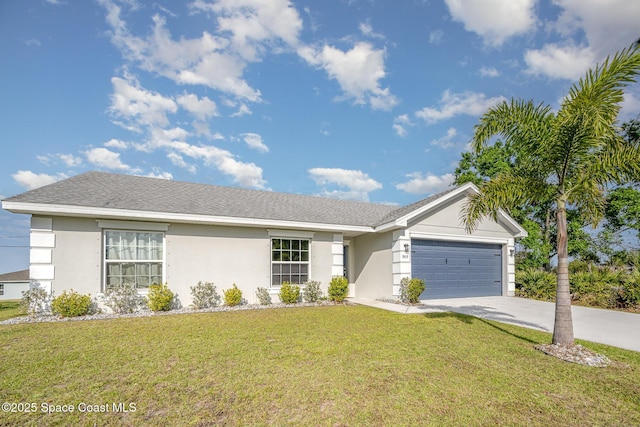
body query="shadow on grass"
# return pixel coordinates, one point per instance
(469, 319)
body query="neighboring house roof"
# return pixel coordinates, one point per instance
(133, 197)
(15, 276)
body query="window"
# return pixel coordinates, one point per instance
(133, 258)
(1, 288)
(289, 261)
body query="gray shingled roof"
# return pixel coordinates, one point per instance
(15, 276)
(126, 192)
(134, 193)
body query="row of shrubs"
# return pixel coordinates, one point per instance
(603, 288)
(126, 299)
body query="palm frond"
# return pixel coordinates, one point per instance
(503, 192)
(617, 162)
(601, 91)
(589, 197)
(521, 123)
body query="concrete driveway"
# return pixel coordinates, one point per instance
(610, 327)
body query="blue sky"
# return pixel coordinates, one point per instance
(359, 99)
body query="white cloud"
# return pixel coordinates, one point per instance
(159, 174)
(243, 110)
(204, 61)
(400, 124)
(30, 180)
(589, 30)
(446, 141)
(489, 72)
(494, 20)
(245, 31)
(70, 160)
(358, 183)
(116, 143)
(254, 24)
(138, 106)
(455, 104)
(367, 30)
(630, 105)
(33, 42)
(561, 62)
(202, 108)
(607, 25)
(179, 161)
(426, 184)
(358, 72)
(244, 174)
(254, 141)
(107, 159)
(436, 36)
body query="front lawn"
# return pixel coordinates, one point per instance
(10, 308)
(330, 365)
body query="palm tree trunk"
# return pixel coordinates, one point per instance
(563, 325)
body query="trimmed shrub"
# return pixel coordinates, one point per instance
(629, 293)
(123, 299)
(36, 301)
(596, 289)
(536, 284)
(411, 289)
(232, 296)
(159, 297)
(205, 295)
(338, 288)
(311, 291)
(289, 293)
(263, 296)
(71, 304)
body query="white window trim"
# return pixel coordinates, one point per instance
(295, 235)
(142, 291)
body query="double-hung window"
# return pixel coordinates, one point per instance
(289, 261)
(133, 258)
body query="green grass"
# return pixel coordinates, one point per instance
(9, 309)
(330, 365)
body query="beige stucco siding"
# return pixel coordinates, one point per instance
(372, 265)
(77, 255)
(222, 255)
(448, 220)
(228, 255)
(219, 254)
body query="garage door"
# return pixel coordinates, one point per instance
(457, 269)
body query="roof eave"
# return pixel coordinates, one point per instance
(110, 213)
(517, 228)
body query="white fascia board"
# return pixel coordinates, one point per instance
(520, 232)
(93, 212)
(458, 238)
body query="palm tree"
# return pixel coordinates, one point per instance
(571, 155)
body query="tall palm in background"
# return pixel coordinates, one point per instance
(571, 155)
